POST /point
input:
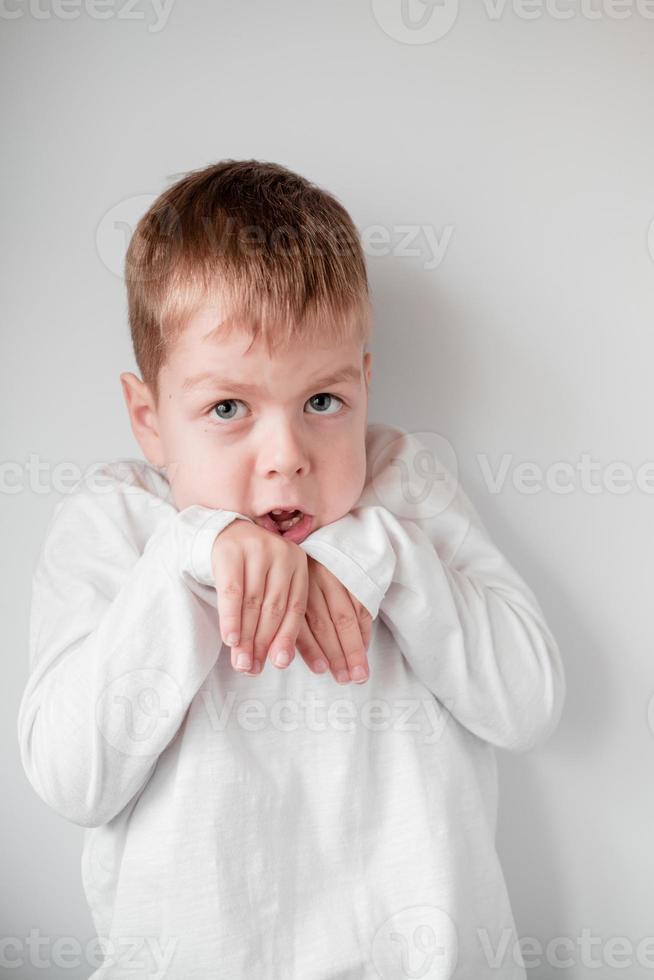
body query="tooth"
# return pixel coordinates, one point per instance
(285, 525)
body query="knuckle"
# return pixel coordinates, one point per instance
(231, 589)
(252, 600)
(297, 606)
(317, 623)
(344, 621)
(274, 607)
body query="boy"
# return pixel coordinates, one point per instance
(247, 820)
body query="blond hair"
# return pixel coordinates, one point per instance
(278, 255)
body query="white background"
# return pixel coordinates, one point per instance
(522, 138)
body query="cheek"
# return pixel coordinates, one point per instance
(348, 473)
(200, 472)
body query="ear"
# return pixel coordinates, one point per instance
(143, 418)
(367, 367)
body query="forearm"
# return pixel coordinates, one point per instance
(115, 668)
(465, 620)
(473, 633)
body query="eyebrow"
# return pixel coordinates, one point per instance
(207, 379)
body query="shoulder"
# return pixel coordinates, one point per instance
(424, 457)
(415, 475)
(379, 436)
(385, 444)
(113, 510)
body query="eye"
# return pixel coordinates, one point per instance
(320, 397)
(221, 411)
(220, 405)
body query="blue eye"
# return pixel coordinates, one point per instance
(323, 395)
(220, 412)
(226, 401)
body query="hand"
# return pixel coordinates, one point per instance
(335, 631)
(262, 586)
(336, 625)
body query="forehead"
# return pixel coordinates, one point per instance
(207, 352)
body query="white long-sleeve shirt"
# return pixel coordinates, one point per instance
(285, 827)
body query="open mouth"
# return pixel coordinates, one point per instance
(285, 519)
(292, 524)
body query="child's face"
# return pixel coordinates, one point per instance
(254, 450)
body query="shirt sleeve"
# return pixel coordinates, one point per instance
(121, 638)
(467, 623)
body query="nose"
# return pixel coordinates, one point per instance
(283, 452)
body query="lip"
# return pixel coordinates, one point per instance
(297, 533)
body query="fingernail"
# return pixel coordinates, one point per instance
(320, 666)
(282, 657)
(342, 677)
(232, 639)
(243, 660)
(358, 674)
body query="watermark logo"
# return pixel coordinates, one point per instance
(422, 243)
(414, 475)
(139, 711)
(115, 229)
(415, 21)
(416, 942)
(425, 21)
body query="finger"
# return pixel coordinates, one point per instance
(324, 632)
(346, 620)
(344, 612)
(228, 574)
(365, 623)
(272, 612)
(254, 585)
(310, 651)
(283, 643)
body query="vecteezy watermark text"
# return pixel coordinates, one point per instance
(146, 954)
(420, 242)
(586, 474)
(137, 711)
(156, 12)
(425, 21)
